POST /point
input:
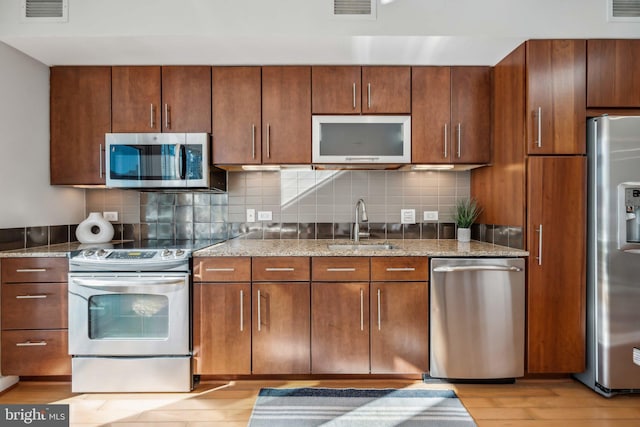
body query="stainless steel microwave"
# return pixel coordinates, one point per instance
(160, 160)
(361, 139)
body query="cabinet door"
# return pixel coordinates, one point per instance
(186, 99)
(556, 74)
(430, 114)
(135, 99)
(340, 328)
(222, 313)
(335, 90)
(80, 115)
(280, 334)
(286, 115)
(399, 328)
(35, 352)
(236, 115)
(613, 73)
(34, 306)
(386, 90)
(556, 271)
(471, 114)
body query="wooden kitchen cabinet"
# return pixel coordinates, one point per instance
(556, 87)
(34, 317)
(80, 115)
(161, 99)
(557, 269)
(286, 115)
(237, 115)
(451, 114)
(281, 303)
(613, 73)
(366, 90)
(222, 316)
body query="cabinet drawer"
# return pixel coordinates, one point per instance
(222, 269)
(280, 269)
(29, 270)
(34, 353)
(340, 269)
(399, 269)
(34, 306)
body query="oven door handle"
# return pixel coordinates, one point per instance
(148, 284)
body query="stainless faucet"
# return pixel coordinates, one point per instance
(356, 227)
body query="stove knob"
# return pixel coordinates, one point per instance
(166, 253)
(88, 252)
(101, 253)
(179, 252)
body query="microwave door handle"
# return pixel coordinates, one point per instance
(183, 162)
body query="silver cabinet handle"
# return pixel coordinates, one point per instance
(339, 269)
(259, 316)
(354, 95)
(539, 257)
(31, 270)
(539, 116)
(379, 320)
(151, 123)
(31, 344)
(453, 269)
(361, 309)
(253, 141)
(167, 120)
(100, 159)
(446, 142)
(268, 140)
(400, 269)
(459, 138)
(31, 296)
(241, 310)
(221, 269)
(279, 269)
(369, 95)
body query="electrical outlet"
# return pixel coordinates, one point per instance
(264, 216)
(110, 216)
(408, 216)
(251, 215)
(430, 215)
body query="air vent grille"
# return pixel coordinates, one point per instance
(624, 10)
(45, 10)
(354, 8)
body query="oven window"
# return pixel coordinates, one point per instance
(136, 316)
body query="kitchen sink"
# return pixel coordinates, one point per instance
(361, 246)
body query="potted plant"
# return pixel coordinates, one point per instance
(467, 211)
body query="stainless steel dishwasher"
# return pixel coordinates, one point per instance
(477, 315)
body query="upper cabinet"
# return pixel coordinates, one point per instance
(613, 73)
(451, 115)
(361, 90)
(80, 115)
(556, 87)
(161, 99)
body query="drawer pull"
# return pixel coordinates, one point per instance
(279, 269)
(31, 344)
(31, 270)
(392, 269)
(30, 296)
(221, 269)
(339, 269)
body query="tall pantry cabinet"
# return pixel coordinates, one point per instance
(539, 159)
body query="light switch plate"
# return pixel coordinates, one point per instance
(251, 215)
(264, 216)
(430, 215)
(110, 216)
(408, 216)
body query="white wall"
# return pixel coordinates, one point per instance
(26, 198)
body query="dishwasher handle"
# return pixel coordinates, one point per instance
(456, 268)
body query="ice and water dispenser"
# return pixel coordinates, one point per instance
(629, 222)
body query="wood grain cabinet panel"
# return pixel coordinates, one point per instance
(222, 269)
(186, 99)
(386, 90)
(136, 99)
(340, 269)
(278, 269)
(80, 115)
(34, 306)
(613, 73)
(35, 353)
(34, 270)
(335, 89)
(399, 269)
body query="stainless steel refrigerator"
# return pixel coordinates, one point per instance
(613, 270)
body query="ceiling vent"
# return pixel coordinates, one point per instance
(45, 10)
(354, 9)
(624, 10)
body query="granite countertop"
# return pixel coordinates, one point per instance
(409, 247)
(60, 250)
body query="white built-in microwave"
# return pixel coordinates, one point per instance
(361, 139)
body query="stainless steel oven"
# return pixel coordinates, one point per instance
(129, 320)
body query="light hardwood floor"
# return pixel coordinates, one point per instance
(528, 403)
